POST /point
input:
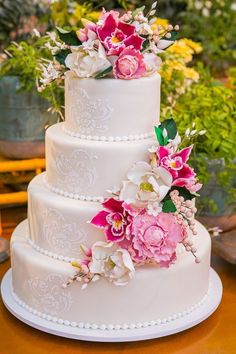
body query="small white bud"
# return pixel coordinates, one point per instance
(84, 286)
(187, 132)
(154, 5)
(202, 132)
(152, 13)
(193, 132)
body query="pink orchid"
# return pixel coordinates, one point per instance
(129, 65)
(154, 238)
(115, 219)
(183, 175)
(117, 35)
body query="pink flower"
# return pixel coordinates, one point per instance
(115, 219)
(117, 35)
(183, 175)
(154, 238)
(129, 65)
(83, 33)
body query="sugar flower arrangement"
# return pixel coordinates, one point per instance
(148, 217)
(124, 47)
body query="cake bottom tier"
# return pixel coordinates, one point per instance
(154, 295)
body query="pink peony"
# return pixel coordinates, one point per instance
(129, 65)
(115, 219)
(117, 35)
(154, 238)
(183, 175)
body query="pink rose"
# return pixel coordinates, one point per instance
(129, 65)
(154, 238)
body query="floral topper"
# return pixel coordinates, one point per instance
(124, 47)
(151, 214)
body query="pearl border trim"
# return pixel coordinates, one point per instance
(66, 258)
(109, 327)
(86, 198)
(135, 137)
(49, 253)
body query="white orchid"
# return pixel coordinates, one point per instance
(152, 62)
(87, 64)
(145, 185)
(174, 143)
(112, 262)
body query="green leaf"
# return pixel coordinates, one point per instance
(171, 128)
(103, 73)
(160, 138)
(184, 192)
(61, 56)
(68, 37)
(168, 206)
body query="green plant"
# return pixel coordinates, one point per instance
(212, 22)
(23, 61)
(212, 107)
(177, 73)
(18, 18)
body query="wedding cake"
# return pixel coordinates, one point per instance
(111, 241)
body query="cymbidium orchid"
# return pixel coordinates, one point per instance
(115, 219)
(176, 163)
(117, 35)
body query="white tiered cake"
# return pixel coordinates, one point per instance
(108, 128)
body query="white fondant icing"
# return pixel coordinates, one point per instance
(109, 138)
(47, 294)
(60, 225)
(111, 327)
(110, 107)
(162, 291)
(87, 168)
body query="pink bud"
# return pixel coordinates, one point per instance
(89, 24)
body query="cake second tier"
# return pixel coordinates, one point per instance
(86, 169)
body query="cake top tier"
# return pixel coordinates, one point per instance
(112, 110)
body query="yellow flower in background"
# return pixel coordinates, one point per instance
(160, 22)
(94, 16)
(175, 65)
(80, 12)
(191, 74)
(181, 50)
(196, 47)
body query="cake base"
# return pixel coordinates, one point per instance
(210, 304)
